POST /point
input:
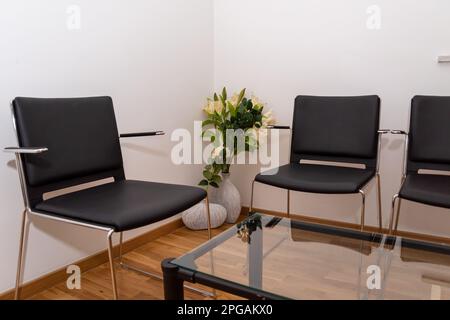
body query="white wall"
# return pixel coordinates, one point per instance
(154, 57)
(280, 49)
(158, 59)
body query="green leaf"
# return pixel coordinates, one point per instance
(217, 168)
(213, 184)
(207, 122)
(223, 100)
(208, 175)
(207, 133)
(224, 110)
(216, 98)
(224, 93)
(217, 179)
(231, 108)
(256, 108)
(203, 183)
(241, 95)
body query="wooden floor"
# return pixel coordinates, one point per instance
(96, 283)
(326, 266)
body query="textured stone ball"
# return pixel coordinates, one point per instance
(195, 218)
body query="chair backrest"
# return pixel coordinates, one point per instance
(340, 129)
(82, 140)
(429, 134)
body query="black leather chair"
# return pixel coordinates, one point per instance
(68, 142)
(331, 129)
(427, 147)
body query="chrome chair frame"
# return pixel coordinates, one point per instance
(18, 151)
(396, 199)
(381, 132)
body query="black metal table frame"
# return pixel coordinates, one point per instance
(175, 276)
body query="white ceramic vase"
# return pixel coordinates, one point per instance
(228, 196)
(196, 218)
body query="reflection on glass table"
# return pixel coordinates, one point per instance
(267, 257)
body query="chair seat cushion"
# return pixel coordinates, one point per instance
(428, 189)
(124, 205)
(317, 178)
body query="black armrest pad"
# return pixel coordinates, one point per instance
(279, 127)
(142, 134)
(399, 132)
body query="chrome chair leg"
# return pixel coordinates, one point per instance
(158, 276)
(111, 264)
(250, 210)
(380, 211)
(391, 221)
(208, 212)
(363, 208)
(398, 214)
(288, 203)
(20, 258)
(120, 247)
(130, 267)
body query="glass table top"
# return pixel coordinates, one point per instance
(299, 260)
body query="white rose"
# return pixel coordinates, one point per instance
(268, 119)
(256, 102)
(217, 152)
(218, 106)
(234, 99)
(209, 108)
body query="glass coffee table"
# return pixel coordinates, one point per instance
(266, 257)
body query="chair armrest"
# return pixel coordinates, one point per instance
(384, 131)
(399, 132)
(279, 127)
(142, 134)
(18, 150)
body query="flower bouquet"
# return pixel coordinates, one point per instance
(233, 124)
